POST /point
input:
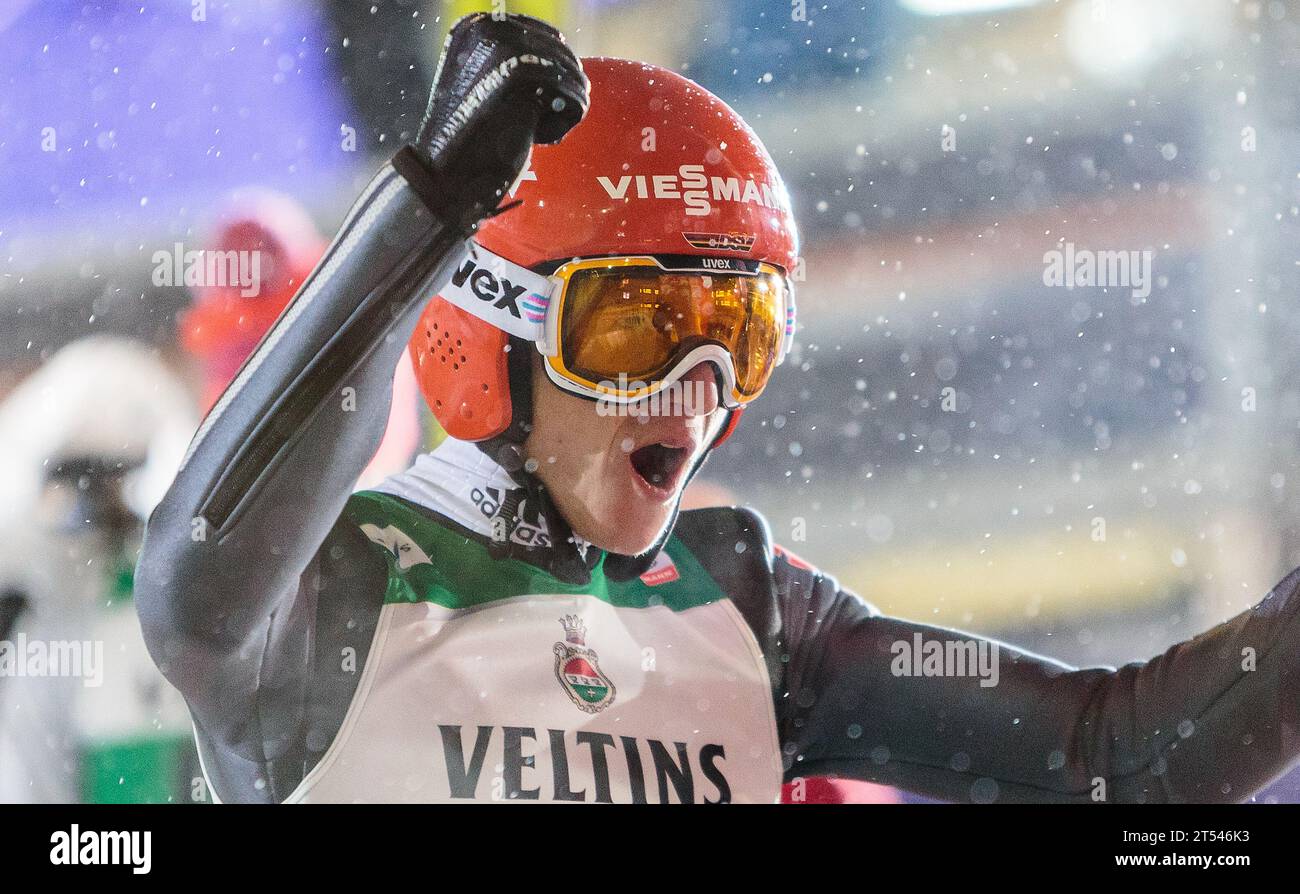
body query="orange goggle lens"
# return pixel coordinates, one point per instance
(639, 321)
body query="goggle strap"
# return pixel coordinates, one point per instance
(501, 293)
(789, 323)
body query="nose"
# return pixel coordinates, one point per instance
(695, 393)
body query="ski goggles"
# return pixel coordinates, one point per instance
(624, 328)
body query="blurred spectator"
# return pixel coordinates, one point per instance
(226, 322)
(94, 437)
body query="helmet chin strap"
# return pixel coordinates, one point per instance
(569, 557)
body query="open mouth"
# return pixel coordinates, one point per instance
(659, 465)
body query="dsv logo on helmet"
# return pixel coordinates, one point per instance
(692, 187)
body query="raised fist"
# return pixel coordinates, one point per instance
(502, 84)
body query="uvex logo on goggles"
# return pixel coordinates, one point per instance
(502, 292)
(509, 297)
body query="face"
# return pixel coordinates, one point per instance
(616, 477)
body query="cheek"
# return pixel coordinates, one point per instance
(570, 440)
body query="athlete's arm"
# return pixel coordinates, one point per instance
(225, 582)
(1211, 719)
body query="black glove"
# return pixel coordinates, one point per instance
(502, 84)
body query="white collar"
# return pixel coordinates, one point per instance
(464, 484)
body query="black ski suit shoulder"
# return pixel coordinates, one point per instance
(1211, 719)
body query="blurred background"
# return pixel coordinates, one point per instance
(1093, 472)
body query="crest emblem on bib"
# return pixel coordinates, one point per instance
(578, 669)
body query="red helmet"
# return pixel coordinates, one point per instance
(659, 166)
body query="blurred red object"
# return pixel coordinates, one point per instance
(224, 324)
(821, 790)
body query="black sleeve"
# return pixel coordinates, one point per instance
(1212, 719)
(225, 583)
(12, 603)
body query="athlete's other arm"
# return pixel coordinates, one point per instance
(222, 580)
(1213, 719)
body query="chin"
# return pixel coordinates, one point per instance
(611, 509)
(629, 532)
